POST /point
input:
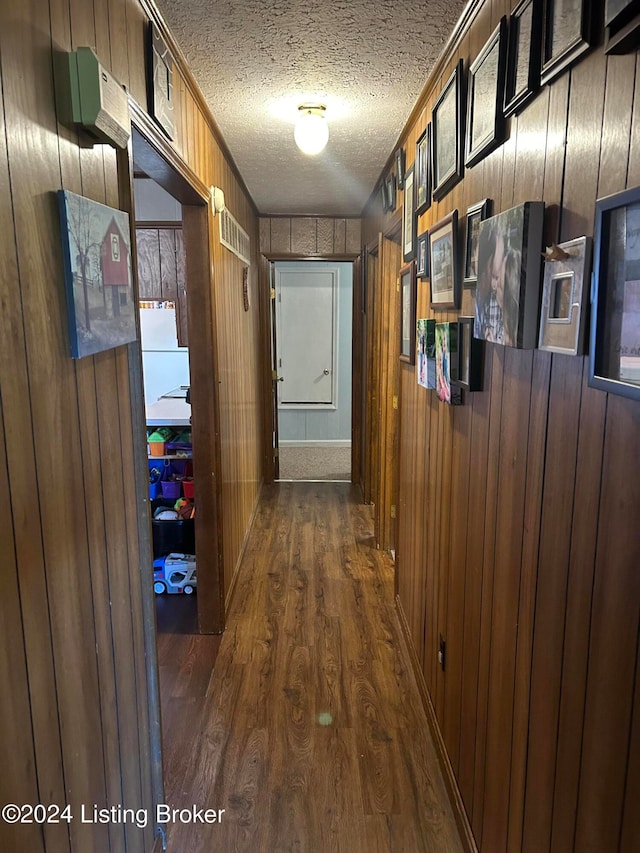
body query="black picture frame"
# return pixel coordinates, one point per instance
(522, 79)
(447, 133)
(621, 26)
(475, 215)
(160, 81)
(423, 171)
(422, 255)
(485, 120)
(400, 167)
(408, 297)
(390, 191)
(566, 36)
(470, 356)
(614, 351)
(383, 196)
(409, 221)
(443, 262)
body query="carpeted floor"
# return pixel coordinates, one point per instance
(311, 462)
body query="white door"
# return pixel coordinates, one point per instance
(305, 320)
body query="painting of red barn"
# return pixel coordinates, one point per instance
(96, 247)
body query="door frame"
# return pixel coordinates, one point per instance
(269, 374)
(160, 162)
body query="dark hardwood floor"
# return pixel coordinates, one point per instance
(310, 732)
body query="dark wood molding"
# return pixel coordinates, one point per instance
(325, 256)
(331, 216)
(461, 28)
(199, 193)
(179, 58)
(459, 812)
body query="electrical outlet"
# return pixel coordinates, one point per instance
(442, 652)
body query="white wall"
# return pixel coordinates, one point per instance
(334, 425)
(153, 204)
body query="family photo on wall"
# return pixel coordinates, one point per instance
(509, 257)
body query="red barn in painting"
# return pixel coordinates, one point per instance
(114, 255)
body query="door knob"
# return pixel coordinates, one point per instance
(326, 372)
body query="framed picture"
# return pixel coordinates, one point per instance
(508, 290)
(423, 171)
(426, 353)
(408, 313)
(383, 197)
(562, 318)
(621, 26)
(447, 363)
(443, 251)
(422, 270)
(160, 77)
(390, 191)
(470, 356)
(400, 165)
(567, 35)
(408, 218)
(485, 121)
(614, 354)
(475, 215)
(523, 56)
(96, 247)
(447, 132)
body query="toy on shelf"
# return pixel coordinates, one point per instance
(175, 573)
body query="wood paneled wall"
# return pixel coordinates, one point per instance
(309, 235)
(74, 720)
(517, 530)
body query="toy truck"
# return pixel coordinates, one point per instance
(175, 573)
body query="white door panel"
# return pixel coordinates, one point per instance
(306, 305)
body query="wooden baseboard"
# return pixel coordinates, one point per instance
(459, 811)
(232, 585)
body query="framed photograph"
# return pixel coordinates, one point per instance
(408, 313)
(508, 290)
(621, 26)
(614, 354)
(475, 215)
(422, 270)
(96, 248)
(562, 318)
(390, 191)
(426, 353)
(567, 35)
(447, 364)
(485, 121)
(383, 197)
(400, 165)
(423, 171)
(443, 251)
(523, 56)
(470, 356)
(409, 225)
(160, 77)
(447, 133)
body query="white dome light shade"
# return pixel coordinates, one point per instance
(311, 132)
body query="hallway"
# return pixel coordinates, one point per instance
(311, 733)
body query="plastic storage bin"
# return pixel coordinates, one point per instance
(171, 535)
(171, 489)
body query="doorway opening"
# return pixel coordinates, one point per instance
(173, 262)
(312, 329)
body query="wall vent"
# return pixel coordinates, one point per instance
(234, 237)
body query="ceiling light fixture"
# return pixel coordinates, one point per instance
(311, 132)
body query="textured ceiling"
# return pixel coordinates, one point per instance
(256, 61)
